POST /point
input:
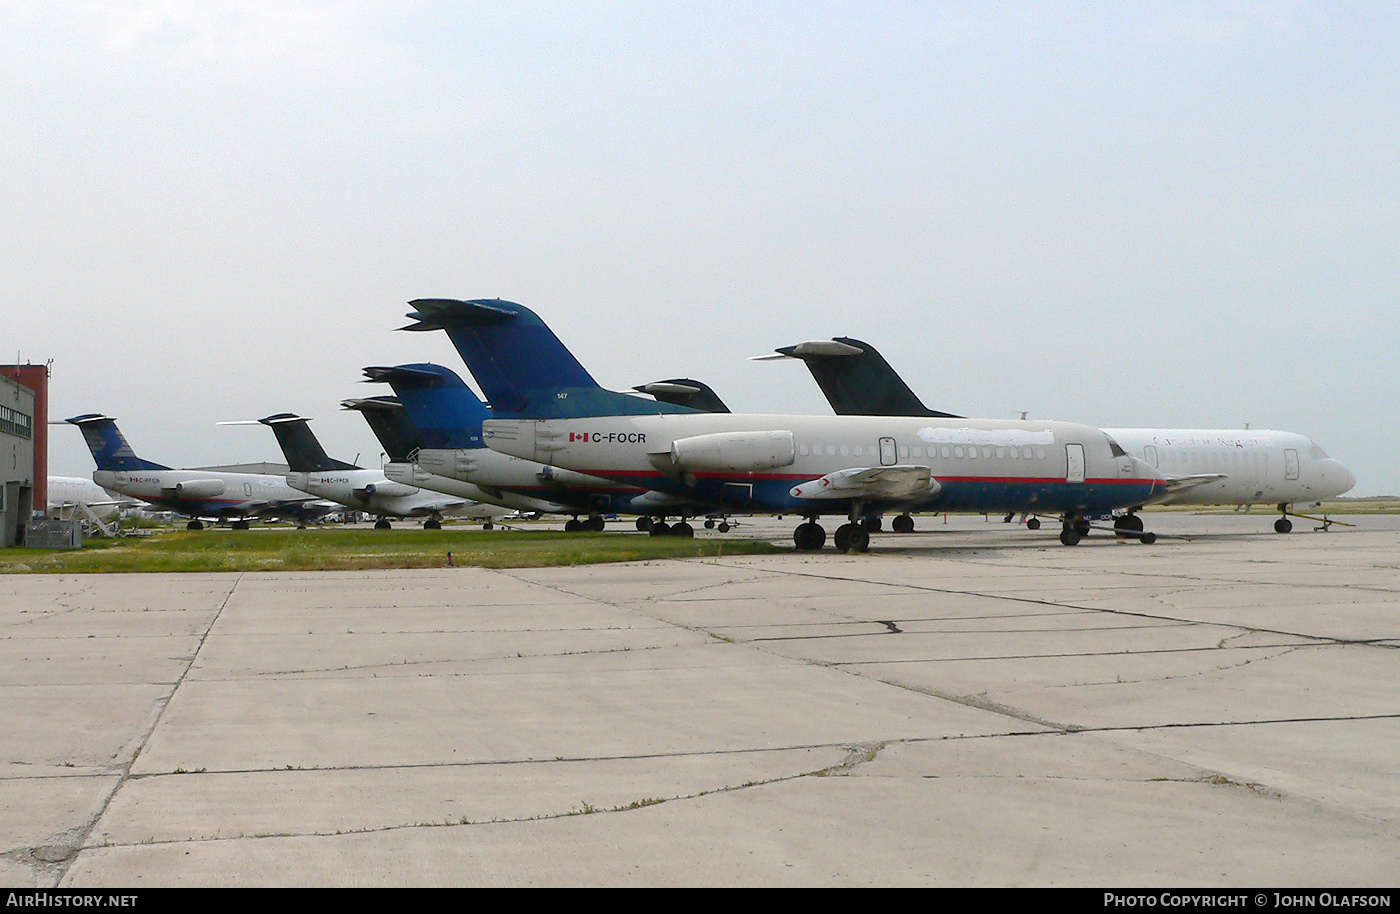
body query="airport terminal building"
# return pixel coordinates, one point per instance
(16, 460)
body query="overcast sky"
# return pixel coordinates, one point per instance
(1127, 214)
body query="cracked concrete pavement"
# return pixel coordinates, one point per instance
(969, 705)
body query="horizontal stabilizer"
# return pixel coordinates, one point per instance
(442, 313)
(896, 483)
(363, 404)
(685, 392)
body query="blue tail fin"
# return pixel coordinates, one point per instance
(520, 364)
(303, 452)
(389, 421)
(108, 445)
(857, 381)
(439, 404)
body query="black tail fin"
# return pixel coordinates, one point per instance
(390, 423)
(108, 444)
(857, 381)
(303, 452)
(520, 364)
(685, 392)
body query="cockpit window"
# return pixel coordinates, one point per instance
(1317, 453)
(1115, 449)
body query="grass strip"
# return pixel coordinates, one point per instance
(327, 549)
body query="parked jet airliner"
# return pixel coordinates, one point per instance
(550, 410)
(197, 493)
(311, 470)
(1227, 466)
(388, 420)
(450, 416)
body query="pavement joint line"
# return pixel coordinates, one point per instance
(1073, 654)
(84, 832)
(1373, 642)
(856, 755)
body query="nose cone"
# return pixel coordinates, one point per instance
(1346, 478)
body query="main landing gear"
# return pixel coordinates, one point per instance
(1127, 526)
(594, 524)
(195, 524)
(658, 527)
(850, 537)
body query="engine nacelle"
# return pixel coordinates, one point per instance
(735, 451)
(198, 488)
(387, 489)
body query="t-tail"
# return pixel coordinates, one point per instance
(523, 369)
(857, 381)
(108, 444)
(389, 421)
(441, 407)
(303, 452)
(685, 392)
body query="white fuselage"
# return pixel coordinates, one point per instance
(67, 492)
(415, 474)
(532, 481)
(759, 461)
(374, 493)
(1260, 466)
(202, 493)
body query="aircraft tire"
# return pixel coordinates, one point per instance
(487, 526)
(432, 525)
(903, 523)
(573, 525)
(1283, 525)
(1147, 539)
(858, 540)
(1069, 536)
(643, 524)
(709, 523)
(194, 525)
(809, 537)
(842, 538)
(683, 530)
(660, 528)
(724, 526)
(1033, 524)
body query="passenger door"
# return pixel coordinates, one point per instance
(1075, 457)
(889, 454)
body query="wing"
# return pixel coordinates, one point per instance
(896, 483)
